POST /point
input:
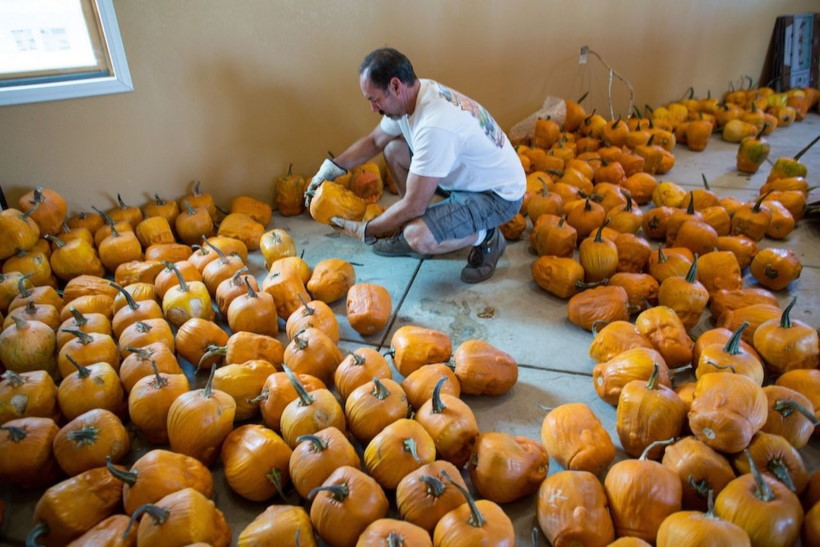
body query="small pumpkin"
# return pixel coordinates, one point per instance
(483, 369)
(424, 496)
(641, 494)
(451, 423)
(317, 455)
(199, 421)
(399, 448)
(89, 440)
(334, 200)
(285, 525)
(255, 460)
(765, 508)
(700, 468)
(369, 308)
(727, 424)
(573, 435)
(346, 503)
(331, 279)
(775, 268)
(504, 467)
(474, 523)
(26, 456)
(572, 508)
(413, 346)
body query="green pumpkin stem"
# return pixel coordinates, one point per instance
(339, 492)
(274, 476)
(692, 274)
(785, 319)
(438, 404)
(128, 477)
(652, 383)
(411, 446)
(778, 468)
(434, 486)
(84, 436)
(304, 397)
(319, 444)
(786, 406)
(158, 515)
(33, 537)
(476, 519)
(762, 491)
(732, 346)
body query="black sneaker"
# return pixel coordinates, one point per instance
(396, 246)
(483, 258)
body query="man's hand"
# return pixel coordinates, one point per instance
(328, 171)
(352, 228)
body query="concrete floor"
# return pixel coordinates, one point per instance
(511, 312)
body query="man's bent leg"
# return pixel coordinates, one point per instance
(397, 158)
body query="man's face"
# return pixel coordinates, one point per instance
(384, 101)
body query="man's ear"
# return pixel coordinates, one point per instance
(395, 84)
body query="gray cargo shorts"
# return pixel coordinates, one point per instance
(460, 214)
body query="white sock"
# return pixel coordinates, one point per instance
(480, 237)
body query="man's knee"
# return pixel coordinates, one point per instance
(397, 153)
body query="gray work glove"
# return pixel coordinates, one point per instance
(352, 228)
(328, 171)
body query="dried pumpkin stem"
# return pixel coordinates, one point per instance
(13, 378)
(129, 298)
(83, 372)
(79, 319)
(652, 445)
(159, 381)
(16, 434)
(380, 392)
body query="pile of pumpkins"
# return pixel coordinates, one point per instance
(639, 282)
(102, 310)
(106, 313)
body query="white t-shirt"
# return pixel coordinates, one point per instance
(455, 139)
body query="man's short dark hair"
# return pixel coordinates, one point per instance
(382, 65)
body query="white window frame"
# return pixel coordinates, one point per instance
(118, 82)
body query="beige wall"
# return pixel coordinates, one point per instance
(230, 92)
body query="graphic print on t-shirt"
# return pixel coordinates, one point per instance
(478, 112)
